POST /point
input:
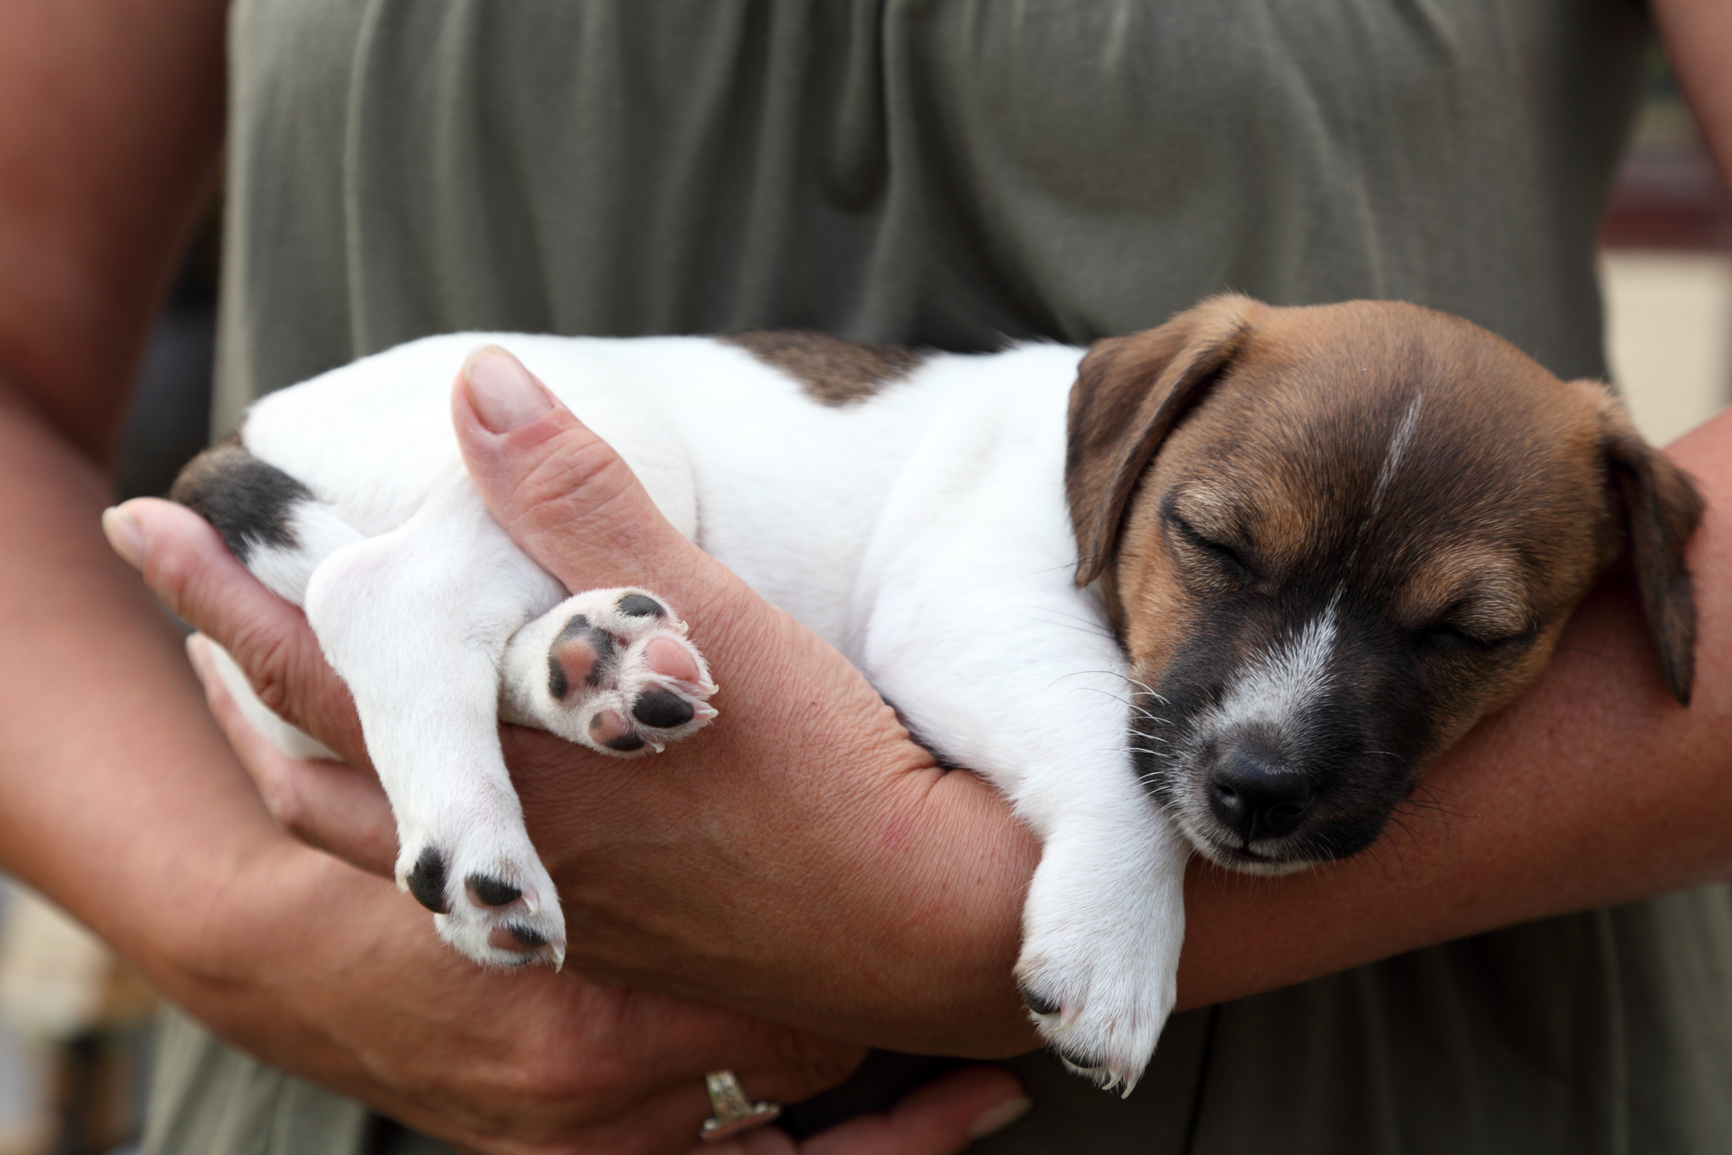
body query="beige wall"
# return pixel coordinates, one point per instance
(1669, 335)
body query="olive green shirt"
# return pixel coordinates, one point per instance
(957, 173)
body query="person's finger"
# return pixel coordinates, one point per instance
(186, 563)
(940, 1118)
(566, 497)
(326, 804)
(337, 976)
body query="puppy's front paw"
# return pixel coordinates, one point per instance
(493, 903)
(1102, 1025)
(608, 669)
(1100, 982)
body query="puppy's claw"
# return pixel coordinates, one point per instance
(1107, 1076)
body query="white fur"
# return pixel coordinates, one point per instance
(1278, 689)
(1275, 692)
(1398, 443)
(872, 523)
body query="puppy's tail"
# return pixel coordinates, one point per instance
(270, 521)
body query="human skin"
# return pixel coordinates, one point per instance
(119, 798)
(108, 135)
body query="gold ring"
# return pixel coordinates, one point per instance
(732, 1112)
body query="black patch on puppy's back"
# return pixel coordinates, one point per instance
(247, 500)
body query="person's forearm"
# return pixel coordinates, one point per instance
(120, 800)
(111, 121)
(105, 743)
(1698, 38)
(1595, 788)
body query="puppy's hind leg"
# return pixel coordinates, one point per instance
(416, 622)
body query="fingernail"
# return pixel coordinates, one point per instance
(999, 1116)
(125, 535)
(500, 388)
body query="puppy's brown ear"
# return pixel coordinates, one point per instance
(1661, 510)
(1129, 393)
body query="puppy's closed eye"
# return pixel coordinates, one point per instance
(1445, 639)
(1215, 555)
(1487, 617)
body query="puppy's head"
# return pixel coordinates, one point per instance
(1333, 539)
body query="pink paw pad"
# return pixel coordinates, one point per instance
(620, 674)
(608, 728)
(671, 659)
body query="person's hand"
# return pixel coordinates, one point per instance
(334, 975)
(336, 805)
(336, 978)
(801, 859)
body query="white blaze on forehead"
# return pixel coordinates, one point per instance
(1280, 686)
(1397, 448)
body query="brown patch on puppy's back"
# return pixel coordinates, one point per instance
(831, 371)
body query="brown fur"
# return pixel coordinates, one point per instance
(832, 371)
(1274, 369)
(1231, 459)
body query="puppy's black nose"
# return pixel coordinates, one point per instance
(1256, 795)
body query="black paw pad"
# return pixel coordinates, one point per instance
(526, 938)
(490, 891)
(625, 743)
(1038, 1003)
(427, 881)
(662, 709)
(639, 606)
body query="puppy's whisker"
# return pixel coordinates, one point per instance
(1068, 622)
(1432, 788)
(1150, 737)
(1441, 815)
(1148, 689)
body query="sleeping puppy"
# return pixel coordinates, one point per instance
(1232, 584)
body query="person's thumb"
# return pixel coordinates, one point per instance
(560, 491)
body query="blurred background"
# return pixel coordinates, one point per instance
(1666, 271)
(75, 1023)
